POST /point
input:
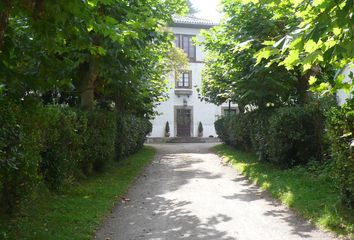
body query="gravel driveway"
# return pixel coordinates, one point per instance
(187, 193)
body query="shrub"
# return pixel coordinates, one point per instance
(220, 129)
(286, 136)
(240, 131)
(259, 121)
(131, 134)
(55, 144)
(235, 130)
(200, 129)
(100, 140)
(295, 135)
(167, 129)
(63, 147)
(19, 155)
(340, 126)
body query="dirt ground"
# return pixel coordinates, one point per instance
(187, 193)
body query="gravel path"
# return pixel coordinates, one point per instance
(187, 193)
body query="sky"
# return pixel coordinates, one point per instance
(208, 9)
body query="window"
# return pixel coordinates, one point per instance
(228, 112)
(185, 42)
(184, 79)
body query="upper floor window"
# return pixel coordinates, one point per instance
(184, 79)
(185, 42)
(228, 112)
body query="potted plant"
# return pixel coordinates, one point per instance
(200, 129)
(167, 129)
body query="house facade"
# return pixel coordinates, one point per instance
(343, 96)
(184, 111)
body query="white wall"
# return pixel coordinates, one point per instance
(341, 95)
(202, 112)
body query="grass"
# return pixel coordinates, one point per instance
(77, 213)
(307, 192)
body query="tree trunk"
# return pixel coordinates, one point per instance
(241, 108)
(302, 89)
(303, 85)
(4, 19)
(89, 75)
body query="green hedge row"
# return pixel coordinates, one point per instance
(55, 146)
(286, 136)
(297, 135)
(340, 127)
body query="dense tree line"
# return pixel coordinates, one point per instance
(282, 63)
(78, 83)
(86, 52)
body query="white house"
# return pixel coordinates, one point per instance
(342, 96)
(184, 110)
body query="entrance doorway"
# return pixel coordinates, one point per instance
(184, 122)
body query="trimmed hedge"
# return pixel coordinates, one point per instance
(286, 136)
(295, 135)
(19, 157)
(341, 135)
(131, 133)
(57, 145)
(100, 142)
(235, 131)
(63, 146)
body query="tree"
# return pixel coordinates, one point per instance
(323, 37)
(231, 71)
(69, 50)
(191, 9)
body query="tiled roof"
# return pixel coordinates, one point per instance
(192, 21)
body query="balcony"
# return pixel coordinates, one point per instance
(183, 92)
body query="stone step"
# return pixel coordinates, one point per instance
(185, 140)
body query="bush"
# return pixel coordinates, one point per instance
(295, 135)
(131, 134)
(286, 136)
(235, 131)
(259, 121)
(220, 129)
(100, 142)
(200, 129)
(19, 156)
(63, 146)
(340, 126)
(54, 145)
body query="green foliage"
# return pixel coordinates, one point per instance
(191, 9)
(231, 71)
(286, 136)
(235, 130)
(167, 127)
(294, 135)
(259, 121)
(90, 50)
(100, 142)
(310, 193)
(79, 212)
(341, 135)
(323, 37)
(200, 127)
(63, 146)
(56, 145)
(19, 156)
(131, 133)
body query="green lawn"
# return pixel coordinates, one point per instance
(311, 194)
(77, 213)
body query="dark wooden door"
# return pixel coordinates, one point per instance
(183, 122)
